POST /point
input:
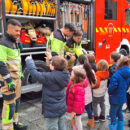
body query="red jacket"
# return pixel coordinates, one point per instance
(75, 97)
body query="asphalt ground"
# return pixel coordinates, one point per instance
(30, 114)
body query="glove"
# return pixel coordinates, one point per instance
(11, 86)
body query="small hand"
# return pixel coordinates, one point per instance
(72, 115)
(48, 55)
(28, 57)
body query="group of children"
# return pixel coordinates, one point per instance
(86, 89)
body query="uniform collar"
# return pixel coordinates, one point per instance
(10, 38)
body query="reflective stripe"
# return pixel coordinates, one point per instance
(119, 29)
(7, 120)
(100, 28)
(97, 30)
(6, 76)
(115, 29)
(123, 29)
(105, 29)
(13, 62)
(127, 30)
(8, 127)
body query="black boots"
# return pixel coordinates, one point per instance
(20, 126)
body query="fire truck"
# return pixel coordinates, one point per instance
(105, 25)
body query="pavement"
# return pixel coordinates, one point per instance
(30, 114)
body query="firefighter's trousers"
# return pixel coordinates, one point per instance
(11, 101)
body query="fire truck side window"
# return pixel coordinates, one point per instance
(110, 10)
(127, 16)
(128, 1)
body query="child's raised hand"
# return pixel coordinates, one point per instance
(28, 57)
(72, 115)
(48, 55)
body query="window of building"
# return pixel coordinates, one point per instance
(127, 16)
(110, 10)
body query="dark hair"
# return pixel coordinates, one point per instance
(14, 22)
(70, 26)
(115, 56)
(102, 65)
(82, 59)
(122, 62)
(59, 63)
(78, 33)
(89, 73)
(91, 58)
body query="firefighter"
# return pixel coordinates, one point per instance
(73, 48)
(10, 76)
(58, 39)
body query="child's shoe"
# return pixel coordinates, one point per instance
(120, 125)
(102, 118)
(96, 119)
(91, 123)
(112, 127)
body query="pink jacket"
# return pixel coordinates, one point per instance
(75, 97)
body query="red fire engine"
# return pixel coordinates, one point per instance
(105, 23)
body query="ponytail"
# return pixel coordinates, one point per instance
(89, 72)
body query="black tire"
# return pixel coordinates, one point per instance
(123, 52)
(41, 66)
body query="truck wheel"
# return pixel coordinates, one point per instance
(41, 66)
(123, 52)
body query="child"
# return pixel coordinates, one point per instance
(53, 95)
(114, 57)
(128, 94)
(100, 89)
(117, 93)
(75, 94)
(82, 60)
(91, 59)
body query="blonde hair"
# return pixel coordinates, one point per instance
(102, 65)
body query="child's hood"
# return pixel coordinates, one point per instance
(102, 74)
(124, 72)
(61, 77)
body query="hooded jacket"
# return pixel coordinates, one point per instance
(101, 86)
(75, 97)
(53, 94)
(118, 86)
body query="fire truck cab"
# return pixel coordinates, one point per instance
(112, 27)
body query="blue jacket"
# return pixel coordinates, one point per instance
(53, 95)
(118, 85)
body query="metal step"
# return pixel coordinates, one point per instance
(30, 88)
